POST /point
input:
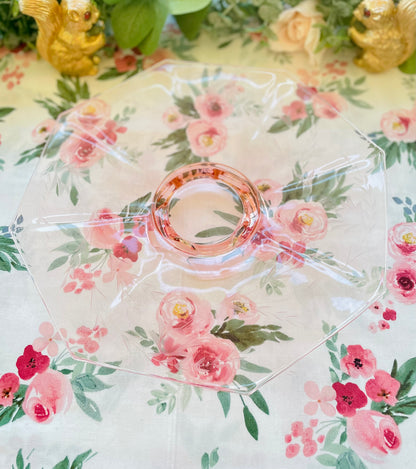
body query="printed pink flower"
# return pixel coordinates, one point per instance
(48, 339)
(389, 314)
(183, 314)
(109, 132)
(383, 325)
(157, 56)
(295, 110)
(313, 423)
(321, 438)
(125, 63)
(87, 336)
(306, 92)
(358, 362)
(128, 248)
(206, 138)
(297, 428)
(349, 398)
(382, 388)
(47, 395)
(307, 434)
(304, 221)
(104, 229)
(211, 360)
(376, 307)
(238, 307)
(270, 190)
(42, 131)
(326, 105)
(80, 151)
(81, 279)
(9, 384)
(119, 270)
(173, 118)
(319, 399)
(292, 450)
(89, 115)
(373, 435)
(399, 125)
(402, 241)
(372, 327)
(401, 282)
(288, 438)
(212, 107)
(31, 362)
(310, 448)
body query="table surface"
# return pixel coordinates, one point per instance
(131, 421)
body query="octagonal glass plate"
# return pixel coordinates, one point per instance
(210, 225)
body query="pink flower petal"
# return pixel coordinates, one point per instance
(46, 329)
(40, 343)
(52, 349)
(328, 409)
(311, 408)
(312, 390)
(328, 394)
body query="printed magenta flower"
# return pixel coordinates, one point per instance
(182, 314)
(382, 325)
(373, 435)
(47, 395)
(212, 107)
(211, 360)
(109, 132)
(173, 118)
(402, 241)
(382, 388)
(295, 110)
(48, 339)
(89, 115)
(119, 270)
(31, 362)
(87, 336)
(206, 138)
(80, 151)
(349, 398)
(326, 105)
(401, 282)
(358, 362)
(304, 221)
(319, 399)
(389, 314)
(237, 307)
(399, 125)
(104, 229)
(9, 384)
(270, 190)
(42, 131)
(128, 248)
(125, 63)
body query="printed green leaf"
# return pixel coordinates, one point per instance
(213, 457)
(334, 361)
(64, 464)
(305, 124)
(186, 107)
(225, 400)
(233, 219)
(88, 406)
(30, 154)
(205, 461)
(250, 423)
(252, 368)
(406, 374)
(80, 459)
(110, 74)
(104, 370)
(90, 383)
(260, 402)
(349, 460)
(327, 460)
(217, 231)
(73, 195)
(57, 263)
(4, 111)
(279, 126)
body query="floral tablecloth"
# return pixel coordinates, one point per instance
(349, 404)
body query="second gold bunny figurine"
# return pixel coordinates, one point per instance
(63, 38)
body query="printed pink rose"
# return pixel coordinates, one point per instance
(128, 248)
(89, 114)
(173, 118)
(270, 190)
(358, 362)
(320, 398)
(305, 92)
(9, 384)
(349, 398)
(31, 362)
(212, 107)
(42, 131)
(326, 105)
(402, 241)
(172, 352)
(47, 395)
(211, 360)
(399, 125)
(182, 314)
(373, 435)
(238, 307)
(295, 110)
(382, 388)
(304, 221)
(401, 282)
(80, 151)
(206, 138)
(104, 229)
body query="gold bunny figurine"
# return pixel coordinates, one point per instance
(63, 38)
(390, 37)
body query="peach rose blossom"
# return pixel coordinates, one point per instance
(402, 241)
(304, 221)
(358, 362)
(295, 110)
(237, 307)
(211, 361)
(296, 31)
(42, 131)
(212, 107)
(182, 314)
(399, 125)
(206, 138)
(89, 114)
(80, 151)
(373, 435)
(125, 63)
(104, 229)
(326, 105)
(270, 190)
(173, 118)
(401, 282)
(48, 394)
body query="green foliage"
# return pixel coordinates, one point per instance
(395, 150)
(8, 251)
(15, 28)
(209, 460)
(13, 412)
(409, 208)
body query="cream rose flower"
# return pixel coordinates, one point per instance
(295, 30)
